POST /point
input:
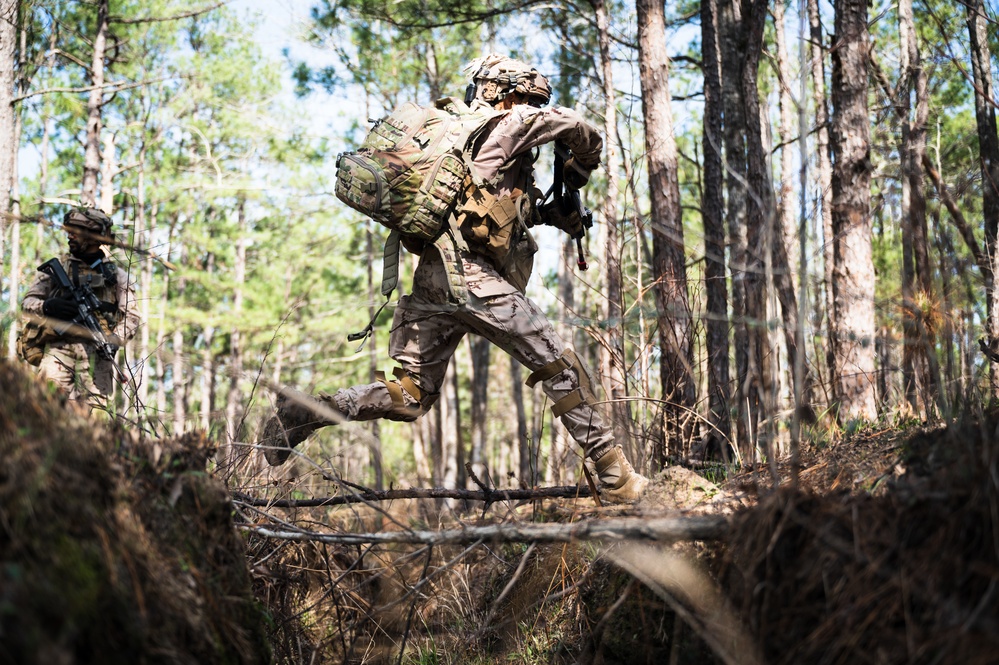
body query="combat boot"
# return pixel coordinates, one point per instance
(298, 415)
(619, 481)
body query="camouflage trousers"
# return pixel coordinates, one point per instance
(425, 335)
(76, 370)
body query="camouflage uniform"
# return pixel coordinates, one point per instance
(428, 325)
(71, 361)
(426, 329)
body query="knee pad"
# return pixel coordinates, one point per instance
(405, 385)
(583, 395)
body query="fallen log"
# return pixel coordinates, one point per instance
(660, 529)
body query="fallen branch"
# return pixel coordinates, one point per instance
(661, 529)
(367, 496)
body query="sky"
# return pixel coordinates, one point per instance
(282, 27)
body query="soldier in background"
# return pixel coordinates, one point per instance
(493, 222)
(70, 359)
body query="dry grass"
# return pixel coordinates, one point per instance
(119, 550)
(110, 553)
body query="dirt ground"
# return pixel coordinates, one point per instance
(119, 549)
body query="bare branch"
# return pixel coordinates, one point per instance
(662, 529)
(957, 216)
(489, 496)
(161, 19)
(108, 88)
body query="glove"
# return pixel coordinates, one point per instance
(575, 174)
(60, 308)
(552, 215)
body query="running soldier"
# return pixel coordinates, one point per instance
(493, 222)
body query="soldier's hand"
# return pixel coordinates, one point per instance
(60, 308)
(552, 215)
(575, 174)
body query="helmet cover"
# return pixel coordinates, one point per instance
(93, 220)
(495, 76)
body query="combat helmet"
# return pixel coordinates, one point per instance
(90, 220)
(495, 76)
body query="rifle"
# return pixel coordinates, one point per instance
(87, 304)
(567, 206)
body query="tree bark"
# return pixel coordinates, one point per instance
(479, 350)
(758, 385)
(713, 214)
(824, 158)
(528, 465)
(732, 41)
(375, 445)
(675, 336)
(988, 146)
(95, 104)
(612, 356)
(234, 398)
(853, 269)
(8, 145)
(917, 278)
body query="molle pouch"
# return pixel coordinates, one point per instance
(490, 224)
(31, 341)
(361, 183)
(520, 260)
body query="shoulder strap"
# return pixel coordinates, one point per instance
(474, 120)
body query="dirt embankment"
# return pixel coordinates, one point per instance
(114, 549)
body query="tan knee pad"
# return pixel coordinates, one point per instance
(578, 397)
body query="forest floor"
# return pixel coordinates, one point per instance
(887, 551)
(117, 549)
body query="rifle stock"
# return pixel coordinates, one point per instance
(87, 304)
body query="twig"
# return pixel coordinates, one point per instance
(663, 529)
(490, 496)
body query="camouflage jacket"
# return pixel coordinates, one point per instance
(492, 220)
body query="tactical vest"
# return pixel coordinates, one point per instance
(35, 334)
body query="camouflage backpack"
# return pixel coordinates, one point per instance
(410, 173)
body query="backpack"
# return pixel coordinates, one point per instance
(409, 172)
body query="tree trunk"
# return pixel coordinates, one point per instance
(451, 439)
(9, 188)
(528, 464)
(178, 370)
(142, 242)
(479, 350)
(612, 358)
(95, 103)
(988, 146)
(733, 52)
(675, 336)
(853, 269)
(713, 214)
(825, 183)
(762, 240)
(785, 201)
(234, 398)
(14, 285)
(375, 446)
(917, 283)
(8, 144)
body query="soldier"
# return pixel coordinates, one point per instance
(494, 221)
(70, 359)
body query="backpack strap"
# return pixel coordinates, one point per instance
(448, 245)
